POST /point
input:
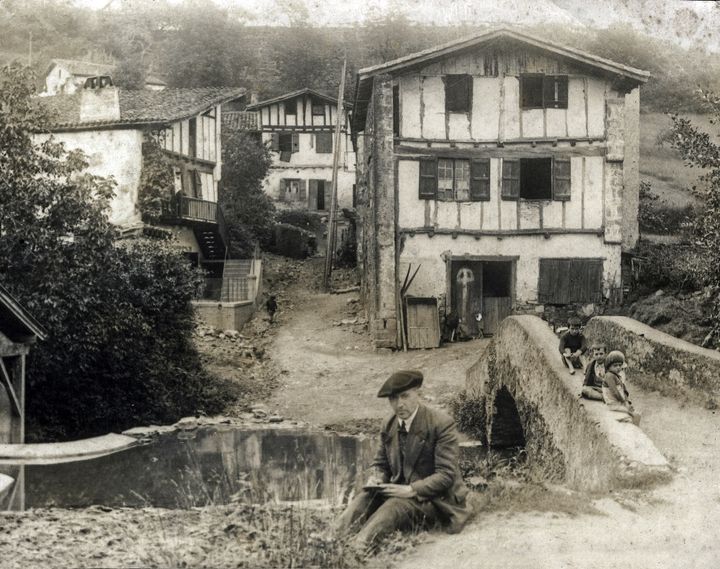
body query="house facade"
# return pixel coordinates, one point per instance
(506, 167)
(67, 76)
(299, 127)
(118, 129)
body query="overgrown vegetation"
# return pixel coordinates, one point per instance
(249, 211)
(470, 414)
(656, 216)
(119, 319)
(156, 180)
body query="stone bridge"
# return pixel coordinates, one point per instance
(532, 401)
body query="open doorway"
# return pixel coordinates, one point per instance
(481, 292)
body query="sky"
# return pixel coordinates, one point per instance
(682, 21)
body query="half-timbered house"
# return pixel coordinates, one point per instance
(300, 129)
(507, 166)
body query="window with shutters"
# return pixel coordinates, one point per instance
(536, 179)
(294, 190)
(458, 93)
(324, 142)
(565, 281)
(454, 179)
(285, 142)
(539, 91)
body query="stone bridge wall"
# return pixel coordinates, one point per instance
(580, 440)
(659, 361)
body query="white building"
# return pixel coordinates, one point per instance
(507, 166)
(67, 76)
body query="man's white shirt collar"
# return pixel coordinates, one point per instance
(409, 420)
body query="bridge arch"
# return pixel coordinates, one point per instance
(529, 394)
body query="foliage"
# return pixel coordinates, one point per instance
(307, 220)
(156, 179)
(119, 318)
(700, 151)
(470, 414)
(292, 241)
(655, 216)
(249, 212)
(678, 266)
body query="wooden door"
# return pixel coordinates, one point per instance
(495, 310)
(423, 322)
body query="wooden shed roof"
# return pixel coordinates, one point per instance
(15, 321)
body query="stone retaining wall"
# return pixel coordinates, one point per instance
(595, 451)
(659, 361)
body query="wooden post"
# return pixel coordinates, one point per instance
(330, 253)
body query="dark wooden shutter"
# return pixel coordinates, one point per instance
(458, 93)
(281, 193)
(312, 194)
(328, 194)
(396, 110)
(561, 179)
(295, 142)
(480, 180)
(531, 91)
(275, 144)
(192, 137)
(510, 179)
(324, 142)
(302, 190)
(197, 184)
(565, 281)
(428, 179)
(555, 91)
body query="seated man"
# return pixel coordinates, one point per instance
(416, 480)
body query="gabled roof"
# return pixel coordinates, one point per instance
(240, 120)
(314, 94)
(91, 69)
(140, 107)
(15, 321)
(428, 56)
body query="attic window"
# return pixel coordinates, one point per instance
(539, 91)
(291, 108)
(458, 93)
(318, 109)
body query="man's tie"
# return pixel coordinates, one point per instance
(402, 440)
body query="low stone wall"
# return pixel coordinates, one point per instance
(224, 315)
(579, 439)
(659, 361)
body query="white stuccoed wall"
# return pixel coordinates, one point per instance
(116, 153)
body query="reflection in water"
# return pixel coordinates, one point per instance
(209, 465)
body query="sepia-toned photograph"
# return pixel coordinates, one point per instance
(396, 284)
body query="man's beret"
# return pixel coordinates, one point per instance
(401, 381)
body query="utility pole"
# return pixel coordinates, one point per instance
(330, 252)
(30, 51)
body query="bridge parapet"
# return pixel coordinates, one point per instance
(659, 361)
(533, 400)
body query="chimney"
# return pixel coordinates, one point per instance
(253, 98)
(99, 100)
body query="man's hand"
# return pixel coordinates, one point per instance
(374, 479)
(566, 352)
(577, 354)
(398, 491)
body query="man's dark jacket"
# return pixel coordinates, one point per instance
(430, 465)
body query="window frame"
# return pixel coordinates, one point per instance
(290, 110)
(559, 80)
(454, 100)
(560, 178)
(478, 185)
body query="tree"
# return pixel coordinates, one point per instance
(119, 351)
(248, 210)
(700, 151)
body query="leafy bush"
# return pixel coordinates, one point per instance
(470, 414)
(307, 220)
(249, 212)
(295, 242)
(119, 350)
(655, 216)
(157, 180)
(678, 266)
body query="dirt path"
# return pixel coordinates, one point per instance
(330, 374)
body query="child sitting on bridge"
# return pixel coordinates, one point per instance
(615, 393)
(594, 373)
(573, 345)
